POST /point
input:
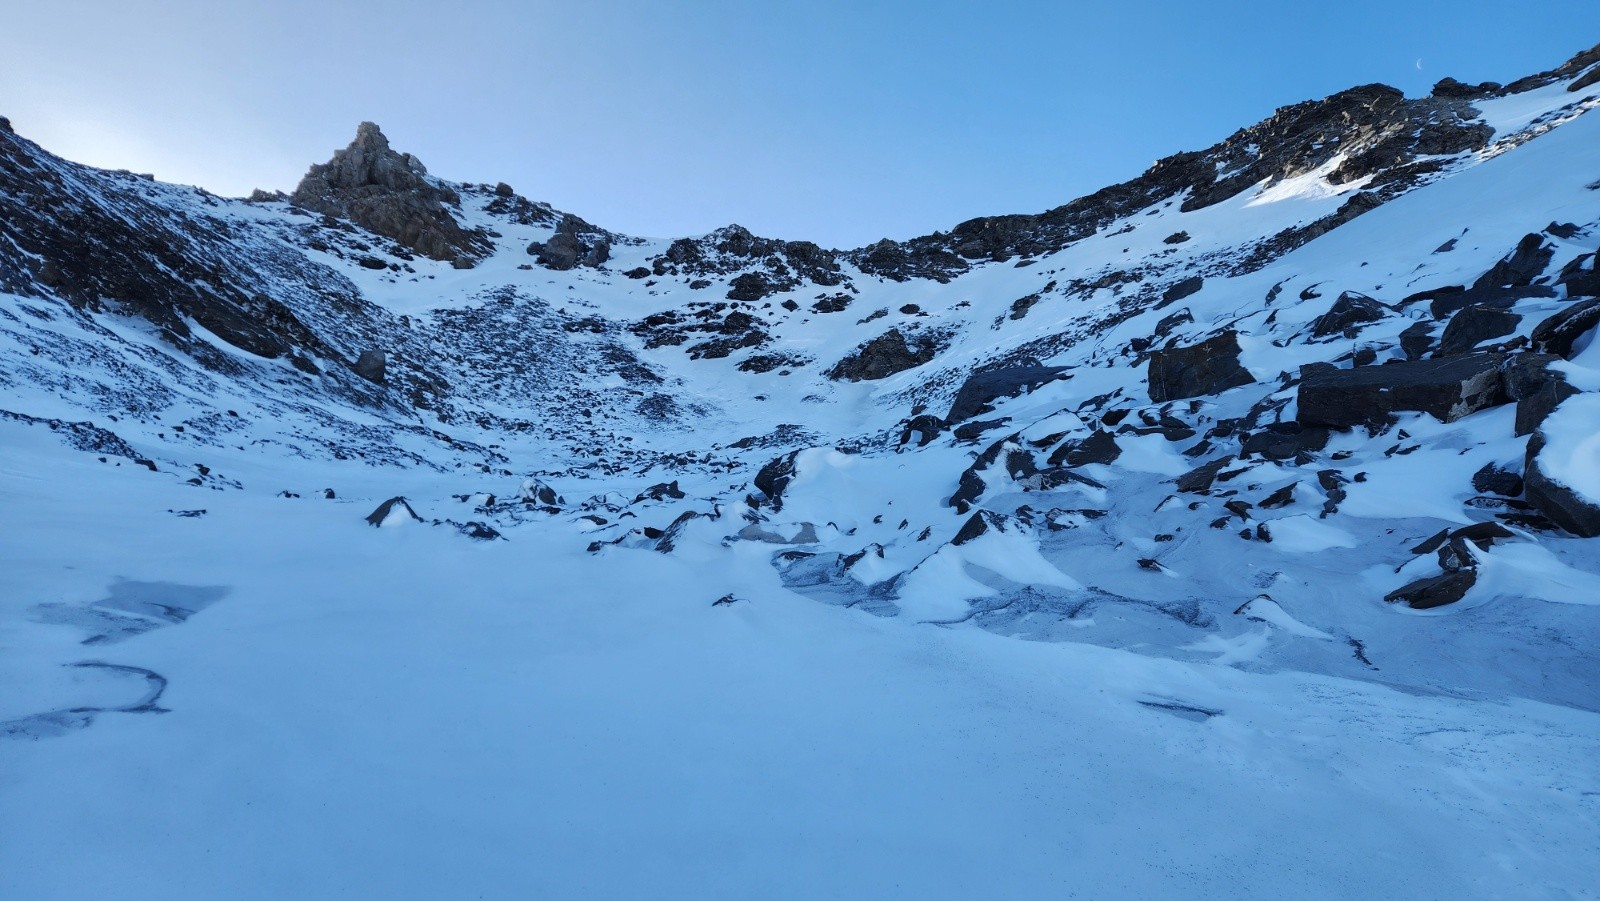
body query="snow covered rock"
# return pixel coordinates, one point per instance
(1562, 473)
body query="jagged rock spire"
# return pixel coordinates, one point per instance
(390, 193)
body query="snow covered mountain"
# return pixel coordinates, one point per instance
(1229, 529)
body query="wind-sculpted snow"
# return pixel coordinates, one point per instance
(1216, 534)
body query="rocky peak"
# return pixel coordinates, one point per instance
(390, 193)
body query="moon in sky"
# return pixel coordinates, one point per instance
(1419, 64)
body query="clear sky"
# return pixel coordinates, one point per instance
(838, 122)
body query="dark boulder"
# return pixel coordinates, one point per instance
(1200, 479)
(923, 429)
(394, 506)
(982, 523)
(1180, 290)
(661, 491)
(1533, 409)
(1535, 387)
(1491, 479)
(1283, 497)
(1099, 447)
(1579, 279)
(1558, 502)
(1521, 266)
(1557, 334)
(1448, 388)
(774, 477)
(1285, 441)
(981, 389)
(1210, 367)
(1347, 315)
(1417, 340)
(1435, 591)
(1474, 325)
(889, 353)
(372, 365)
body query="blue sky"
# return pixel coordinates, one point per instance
(834, 122)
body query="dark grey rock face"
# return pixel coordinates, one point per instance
(885, 355)
(389, 193)
(1448, 388)
(1206, 368)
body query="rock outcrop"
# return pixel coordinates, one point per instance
(391, 194)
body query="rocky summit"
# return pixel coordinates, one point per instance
(1289, 442)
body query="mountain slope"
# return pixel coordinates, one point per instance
(1278, 460)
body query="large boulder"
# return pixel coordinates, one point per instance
(372, 365)
(1448, 388)
(1474, 325)
(1210, 367)
(981, 389)
(1561, 477)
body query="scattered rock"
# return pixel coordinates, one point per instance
(774, 477)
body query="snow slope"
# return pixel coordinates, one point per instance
(674, 621)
